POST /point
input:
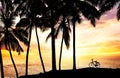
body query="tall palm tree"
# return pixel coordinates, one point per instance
(51, 6)
(65, 37)
(1, 63)
(11, 34)
(33, 19)
(63, 25)
(30, 22)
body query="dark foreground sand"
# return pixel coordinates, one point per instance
(79, 73)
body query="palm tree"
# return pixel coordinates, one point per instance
(63, 26)
(51, 7)
(11, 43)
(11, 34)
(1, 63)
(30, 22)
(65, 36)
(9, 40)
(33, 19)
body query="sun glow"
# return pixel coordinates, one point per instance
(102, 43)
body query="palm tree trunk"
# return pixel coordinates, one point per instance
(53, 43)
(61, 52)
(28, 48)
(53, 51)
(39, 50)
(1, 63)
(13, 60)
(74, 55)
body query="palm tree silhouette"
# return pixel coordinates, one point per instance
(53, 5)
(11, 43)
(1, 63)
(63, 26)
(35, 9)
(65, 36)
(10, 34)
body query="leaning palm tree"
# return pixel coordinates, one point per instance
(10, 34)
(10, 41)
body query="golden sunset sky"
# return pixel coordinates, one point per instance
(101, 43)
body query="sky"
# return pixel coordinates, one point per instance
(102, 43)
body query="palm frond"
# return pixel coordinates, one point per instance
(57, 31)
(93, 21)
(49, 35)
(107, 5)
(68, 24)
(23, 22)
(20, 9)
(14, 44)
(22, 35)
(96, 3)
(66, 37)
(18, 1)
(89, 11)
(6, 41)
(76, 18)
(118, 12)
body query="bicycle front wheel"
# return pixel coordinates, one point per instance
(91, 64)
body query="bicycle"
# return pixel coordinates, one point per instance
(94, 64)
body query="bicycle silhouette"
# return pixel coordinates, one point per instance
(94, 64)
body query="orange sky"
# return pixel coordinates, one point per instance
(101, 43)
